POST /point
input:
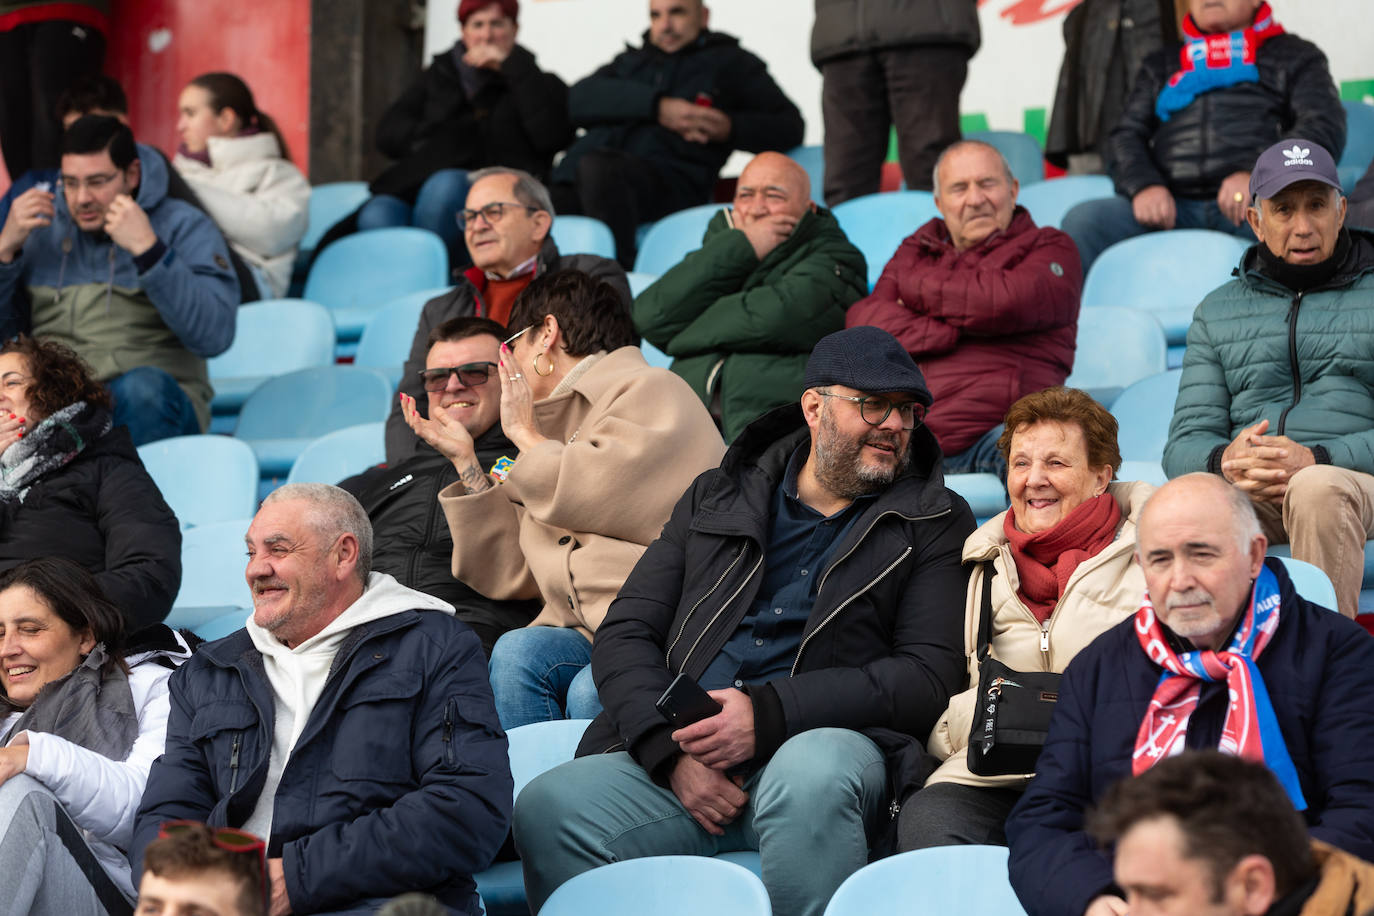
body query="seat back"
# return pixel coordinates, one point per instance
(945, 879)
(672, 238)
(312, 402)
(1116, 347)
(985, 494)
(877, 223)
(541, 746)
(1143, 411)
(1166, 273)
(212, 573)
(1049, 200)
(583, 235)
(639, 282)
(1359, 136)
(1021, 150)
(180, 467)
(664, 886)
(358, 274)
(388, 335)
(812, 159)
(1311, 582)
(271, 337)
(330, 203)
(340, 454)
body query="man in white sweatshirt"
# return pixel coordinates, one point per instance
(351, 723)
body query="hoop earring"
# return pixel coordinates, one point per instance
(536, 365)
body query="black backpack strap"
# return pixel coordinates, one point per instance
(985, 617)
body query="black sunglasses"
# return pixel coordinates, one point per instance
(469, 374)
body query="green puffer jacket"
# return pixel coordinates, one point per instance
(746, 327)
(1303, 361)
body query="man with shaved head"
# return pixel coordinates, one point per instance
(1223, 653)
(774, 274)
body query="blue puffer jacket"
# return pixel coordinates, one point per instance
(399, 781)
(1304, 361)
(1319, 670)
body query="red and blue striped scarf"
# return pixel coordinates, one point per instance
(1251, 729)
(1215, 61)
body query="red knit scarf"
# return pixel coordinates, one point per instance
(1046, 560)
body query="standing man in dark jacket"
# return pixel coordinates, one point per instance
(662, 119)
(414, 543)
(351, 724)
(984, 300)
(812, 584)
(1198, 116)
(1222, 653)
(506, 228)
(740, 315)
(886, 63)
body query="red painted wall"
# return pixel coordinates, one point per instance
(156, 46)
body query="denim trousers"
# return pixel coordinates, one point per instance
(1096, 225)
(982, 457)
(436, 206)
(539, 674)
(152, 405)
(810, 812)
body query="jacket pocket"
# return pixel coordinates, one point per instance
(223, 731)
(375, 721)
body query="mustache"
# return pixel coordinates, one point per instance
(1191, 596)
(261, 585)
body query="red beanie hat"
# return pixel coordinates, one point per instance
(510, 7)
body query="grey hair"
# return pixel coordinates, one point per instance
(334, 513)
(529, 190)
(962, 144)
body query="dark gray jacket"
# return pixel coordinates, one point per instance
(854, 26)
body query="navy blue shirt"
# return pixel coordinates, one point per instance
(801, 544)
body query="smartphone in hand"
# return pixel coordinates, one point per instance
(684, 702)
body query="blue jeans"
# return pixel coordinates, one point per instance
(436, 206)
(539, 674)
(810, 812)
(152, 405)
(982, 457)
(1095, 225)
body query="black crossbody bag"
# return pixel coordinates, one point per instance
(1014, 707)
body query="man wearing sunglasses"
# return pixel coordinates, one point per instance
(812, 585)
(506, 225)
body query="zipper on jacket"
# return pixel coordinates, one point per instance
(844, 604)
(234, 763)
(1292, 360)
(1045, 639)
(712, 376)
(682, 629)
(450, 756)
(712, 622)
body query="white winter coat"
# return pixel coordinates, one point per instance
(259, 200)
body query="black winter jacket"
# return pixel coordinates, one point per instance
(412, 539)
(618, 105)
(882, 650)
(463, 300)
(103, 511)
(844, 27)
(1225, 130)
(518, 119)
(1319, 672)
(399, 782)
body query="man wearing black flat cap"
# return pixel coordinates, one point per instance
(812, 584)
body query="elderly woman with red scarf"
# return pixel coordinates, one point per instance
(1060, 569)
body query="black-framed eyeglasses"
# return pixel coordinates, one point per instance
(493, 213)
(470, 375)
(875, 409)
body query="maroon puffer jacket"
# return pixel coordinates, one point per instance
(986, 325)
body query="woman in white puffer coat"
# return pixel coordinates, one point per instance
(234, 158)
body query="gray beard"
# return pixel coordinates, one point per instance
(840, 469)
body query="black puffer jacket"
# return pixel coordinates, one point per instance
(852, 26)
(102, 510)
(412, 539)
(1223, 131)
(882, 650)
(518, 119)
(618, 105)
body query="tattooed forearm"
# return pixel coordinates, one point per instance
(474, 481)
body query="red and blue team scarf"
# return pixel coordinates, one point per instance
(1216, 61)
(1251, 730)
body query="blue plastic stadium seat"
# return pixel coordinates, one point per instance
(271, 337)
(945, 879)
(1116, 348)
(654, 356)
(222, 625)
(583, 235)
(664, 886)
(1165, 273)
(1021, 151)
(1049, 200)
(812, 158)
(182, 465)
(1152, 472)
(386, 339)
(671, 238)
(985, 494)
(639, 281)
(1359, 137)
(877, 223)
(330, 203)
(340, 454)
(357, 275)
(1310, 581)
(212, 575)
(290, 411)
(1143, 411)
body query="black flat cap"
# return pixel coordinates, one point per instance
(868, 359)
